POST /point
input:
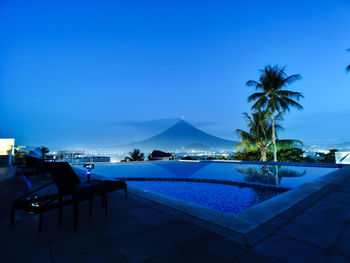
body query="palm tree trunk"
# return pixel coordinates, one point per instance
(273, 138)
(263, 152)
(277, 181)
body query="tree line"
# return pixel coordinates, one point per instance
(271, 101)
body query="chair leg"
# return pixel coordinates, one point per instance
(60, 210)
(75, 213)
(106, 205)
(13, 215)
(40, 222)
(90, 205)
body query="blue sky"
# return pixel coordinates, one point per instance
(96, 73)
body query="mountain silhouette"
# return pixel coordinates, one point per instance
(184, 136)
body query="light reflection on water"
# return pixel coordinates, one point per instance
(226, 198)
(284, 176)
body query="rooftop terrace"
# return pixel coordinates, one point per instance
(316, 228)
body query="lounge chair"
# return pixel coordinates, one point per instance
(70, 191)
(38, 202)
(33, 166)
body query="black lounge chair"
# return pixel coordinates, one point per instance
(68, 183)
(38, 203)
(70, 191)
(33, 166)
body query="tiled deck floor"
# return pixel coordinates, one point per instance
(137, 230)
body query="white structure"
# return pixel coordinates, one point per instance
(66, 155)
(7, 150)
(342, 157)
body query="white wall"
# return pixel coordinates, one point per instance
(342, 157)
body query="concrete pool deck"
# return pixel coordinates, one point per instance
(315, 227)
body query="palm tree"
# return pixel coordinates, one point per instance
(44, 150)
(258, 135)
(347, 69)
(135, 156)
(272, 97)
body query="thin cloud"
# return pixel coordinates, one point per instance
(158, 124)
(146, 124)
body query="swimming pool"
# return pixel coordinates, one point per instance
(227, 187)
(225, 198)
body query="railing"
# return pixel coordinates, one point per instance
(342, 157)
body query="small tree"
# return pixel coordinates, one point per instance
(135, 156)
(292, 154)
(19, 157)
(327, 157)
(251, 155)
(258, 136)
(44, 150)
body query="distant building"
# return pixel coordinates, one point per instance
(90, 159)
(80, 157)
(69, 154)
(159, 155)
(7, 151)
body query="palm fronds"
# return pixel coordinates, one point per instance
(135, 156)
(258, 136)
(272, 96)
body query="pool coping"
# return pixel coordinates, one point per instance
(305, 164)
(213, 181)
(253, 217)
(325, 165)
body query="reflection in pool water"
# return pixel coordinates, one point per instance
(268, 174)
(283, 176)
(226, 198)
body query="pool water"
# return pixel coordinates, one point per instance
(225, 198)
(272, 180)
(284, 176)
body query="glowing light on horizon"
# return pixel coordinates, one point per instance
(7, 146)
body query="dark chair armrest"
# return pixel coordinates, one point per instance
(30, 193)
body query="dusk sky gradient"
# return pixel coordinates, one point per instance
(77, 74)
